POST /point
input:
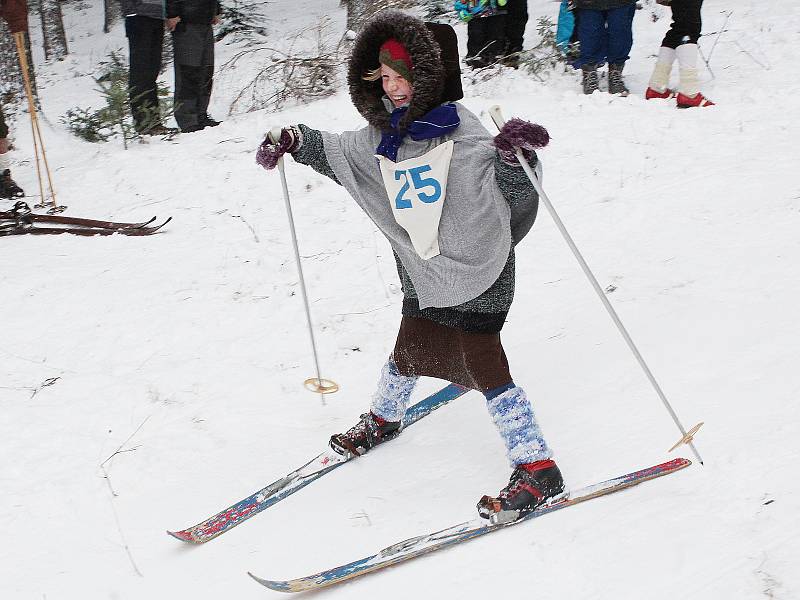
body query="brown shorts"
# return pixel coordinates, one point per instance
(474, 360)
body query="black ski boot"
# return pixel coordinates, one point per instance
(8, 187)
(591, 82)
(531, 486)
(616, 84)
(370, 431)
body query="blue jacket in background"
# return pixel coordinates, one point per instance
(566, 25)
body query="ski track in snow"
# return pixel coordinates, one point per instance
(182, 354)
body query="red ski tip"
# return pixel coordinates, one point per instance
(184, 536)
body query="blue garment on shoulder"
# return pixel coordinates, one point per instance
(438, 122)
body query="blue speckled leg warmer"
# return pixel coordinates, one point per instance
(513, 415)
(391, 398)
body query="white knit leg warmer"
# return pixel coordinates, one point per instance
(659, 80)
(687, 65)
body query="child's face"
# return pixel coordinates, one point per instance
(396, 87)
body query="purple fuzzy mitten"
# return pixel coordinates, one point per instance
(270, 152)
(524, 135)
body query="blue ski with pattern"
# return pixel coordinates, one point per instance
(300, 478)
(423, 544)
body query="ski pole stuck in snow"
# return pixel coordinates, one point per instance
(687, 437)
(314, 384)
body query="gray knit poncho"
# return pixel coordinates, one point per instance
(481, 218)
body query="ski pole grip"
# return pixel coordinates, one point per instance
(275, 134)
(497, 116)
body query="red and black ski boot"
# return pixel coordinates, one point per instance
(531, 486)
(370, 431)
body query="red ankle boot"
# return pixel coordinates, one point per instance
(693, 101)
(652, 94)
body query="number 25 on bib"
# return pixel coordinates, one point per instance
(416, 189)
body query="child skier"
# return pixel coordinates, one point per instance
(680, 42)
(453, 203)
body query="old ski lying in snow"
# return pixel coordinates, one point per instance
(12, 229)
(21, 219)
(476, 527)
(296, 480)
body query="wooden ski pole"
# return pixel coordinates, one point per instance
(38, 141)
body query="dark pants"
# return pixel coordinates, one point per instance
(3, 126)
(486, 36)
(192, 94)
(193, 45)
(145, 39)
(686, 23)
(605, 35)
(516, 19)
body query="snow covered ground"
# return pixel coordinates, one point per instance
(182, 355)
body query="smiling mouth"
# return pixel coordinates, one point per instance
(399, 99)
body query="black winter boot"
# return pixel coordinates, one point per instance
(590, 79)
(370, 431)
(616, 84)
(531, 486)
(8, 187)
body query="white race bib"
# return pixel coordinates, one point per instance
(416, 189)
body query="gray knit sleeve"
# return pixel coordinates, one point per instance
(312, 153)
(520, 194)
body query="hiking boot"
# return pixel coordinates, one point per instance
(616, 84)
(591, 82)
(159, 129)
(698, 99)
(511, 60)
(652, 94)
(8, 187)
(207, 121)
(193, 128)
(531, 486)
(370, 431)
(478, 62)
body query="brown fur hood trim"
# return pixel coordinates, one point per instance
(429, 74)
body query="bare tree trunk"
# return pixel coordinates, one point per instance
(356, 10)
(55, 40)
(112, 12)
(361, 11)
(12, 85)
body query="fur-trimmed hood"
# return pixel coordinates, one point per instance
(430, 75)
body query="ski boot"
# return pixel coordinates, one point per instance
(531, 486)
(8, 187)
(590, 81)
(370, 431)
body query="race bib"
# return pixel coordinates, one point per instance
(416, 189)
